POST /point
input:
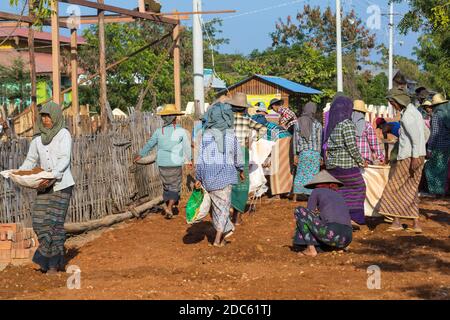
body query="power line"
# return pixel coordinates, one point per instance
(17, 24)
(261, 10)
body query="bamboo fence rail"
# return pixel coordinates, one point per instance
(107, 182)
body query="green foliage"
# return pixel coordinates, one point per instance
(14, 81)
(126, 81)
(318, 28)
(41, 9)
(431, 17)
(373, 89)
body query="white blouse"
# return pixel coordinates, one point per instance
(54, 157)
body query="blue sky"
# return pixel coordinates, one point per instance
(250, 26)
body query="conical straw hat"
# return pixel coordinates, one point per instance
(322, 177)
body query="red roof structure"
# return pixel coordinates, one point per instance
(38, 35)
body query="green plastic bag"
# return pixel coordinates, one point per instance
(193, 205)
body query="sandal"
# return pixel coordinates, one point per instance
(414, 230)
(394, 229)
(227, 236)
(169, 215)
(220, 245)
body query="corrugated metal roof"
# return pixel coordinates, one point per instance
(289, 85)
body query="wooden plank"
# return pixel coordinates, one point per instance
(56, 74)
(32, 65)
(136, 14)
(177, 66)
(23, 19)
(74, 76)
(102, 69)
(91, 19)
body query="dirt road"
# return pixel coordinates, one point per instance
(158, 259)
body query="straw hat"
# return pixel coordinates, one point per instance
(322, 177)
(426, 104)
(239, 99)
(438, 99)
(359, 105)
(170, 110)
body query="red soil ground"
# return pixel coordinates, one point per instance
(158, 259)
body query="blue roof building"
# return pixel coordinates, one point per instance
(269, 85)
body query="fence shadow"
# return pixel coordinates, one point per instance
(403, 254)
(438, 216)
(429, 292)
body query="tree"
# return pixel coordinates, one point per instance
(372, 88)
(153, 67)
(15, 80)
(433, 50)
(318, 29)
(41, 9)
(299, 62)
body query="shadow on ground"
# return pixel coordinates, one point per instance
(406, 253)
(197, 233)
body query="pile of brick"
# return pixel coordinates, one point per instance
(17, 244)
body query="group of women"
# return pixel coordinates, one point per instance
(346, 144)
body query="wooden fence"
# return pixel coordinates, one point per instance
(107, 182)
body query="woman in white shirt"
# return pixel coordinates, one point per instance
(51, 150)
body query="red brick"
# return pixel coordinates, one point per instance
(22, 253)
(24, 244)
(8, 226)
(3, 236)
(19, 236)
(5, 245)
(5, 254)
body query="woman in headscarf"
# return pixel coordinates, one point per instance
(343, 159)
(308, 139)
(366, 138)
(174, 151)
(218, 164)
(51, 149)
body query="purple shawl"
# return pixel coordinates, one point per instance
(341, 109)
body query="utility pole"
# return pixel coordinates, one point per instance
(197, 36)
(340, 81)
(391, 46)
(102, 68)
(56, 73)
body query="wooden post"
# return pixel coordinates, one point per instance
(102, 64)
(141, 6)
(176, 65)
(74, 74)
(56, 74)
(32, 63)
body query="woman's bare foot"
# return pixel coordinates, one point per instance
(219, 244)
(310, 251)
(52, 271)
